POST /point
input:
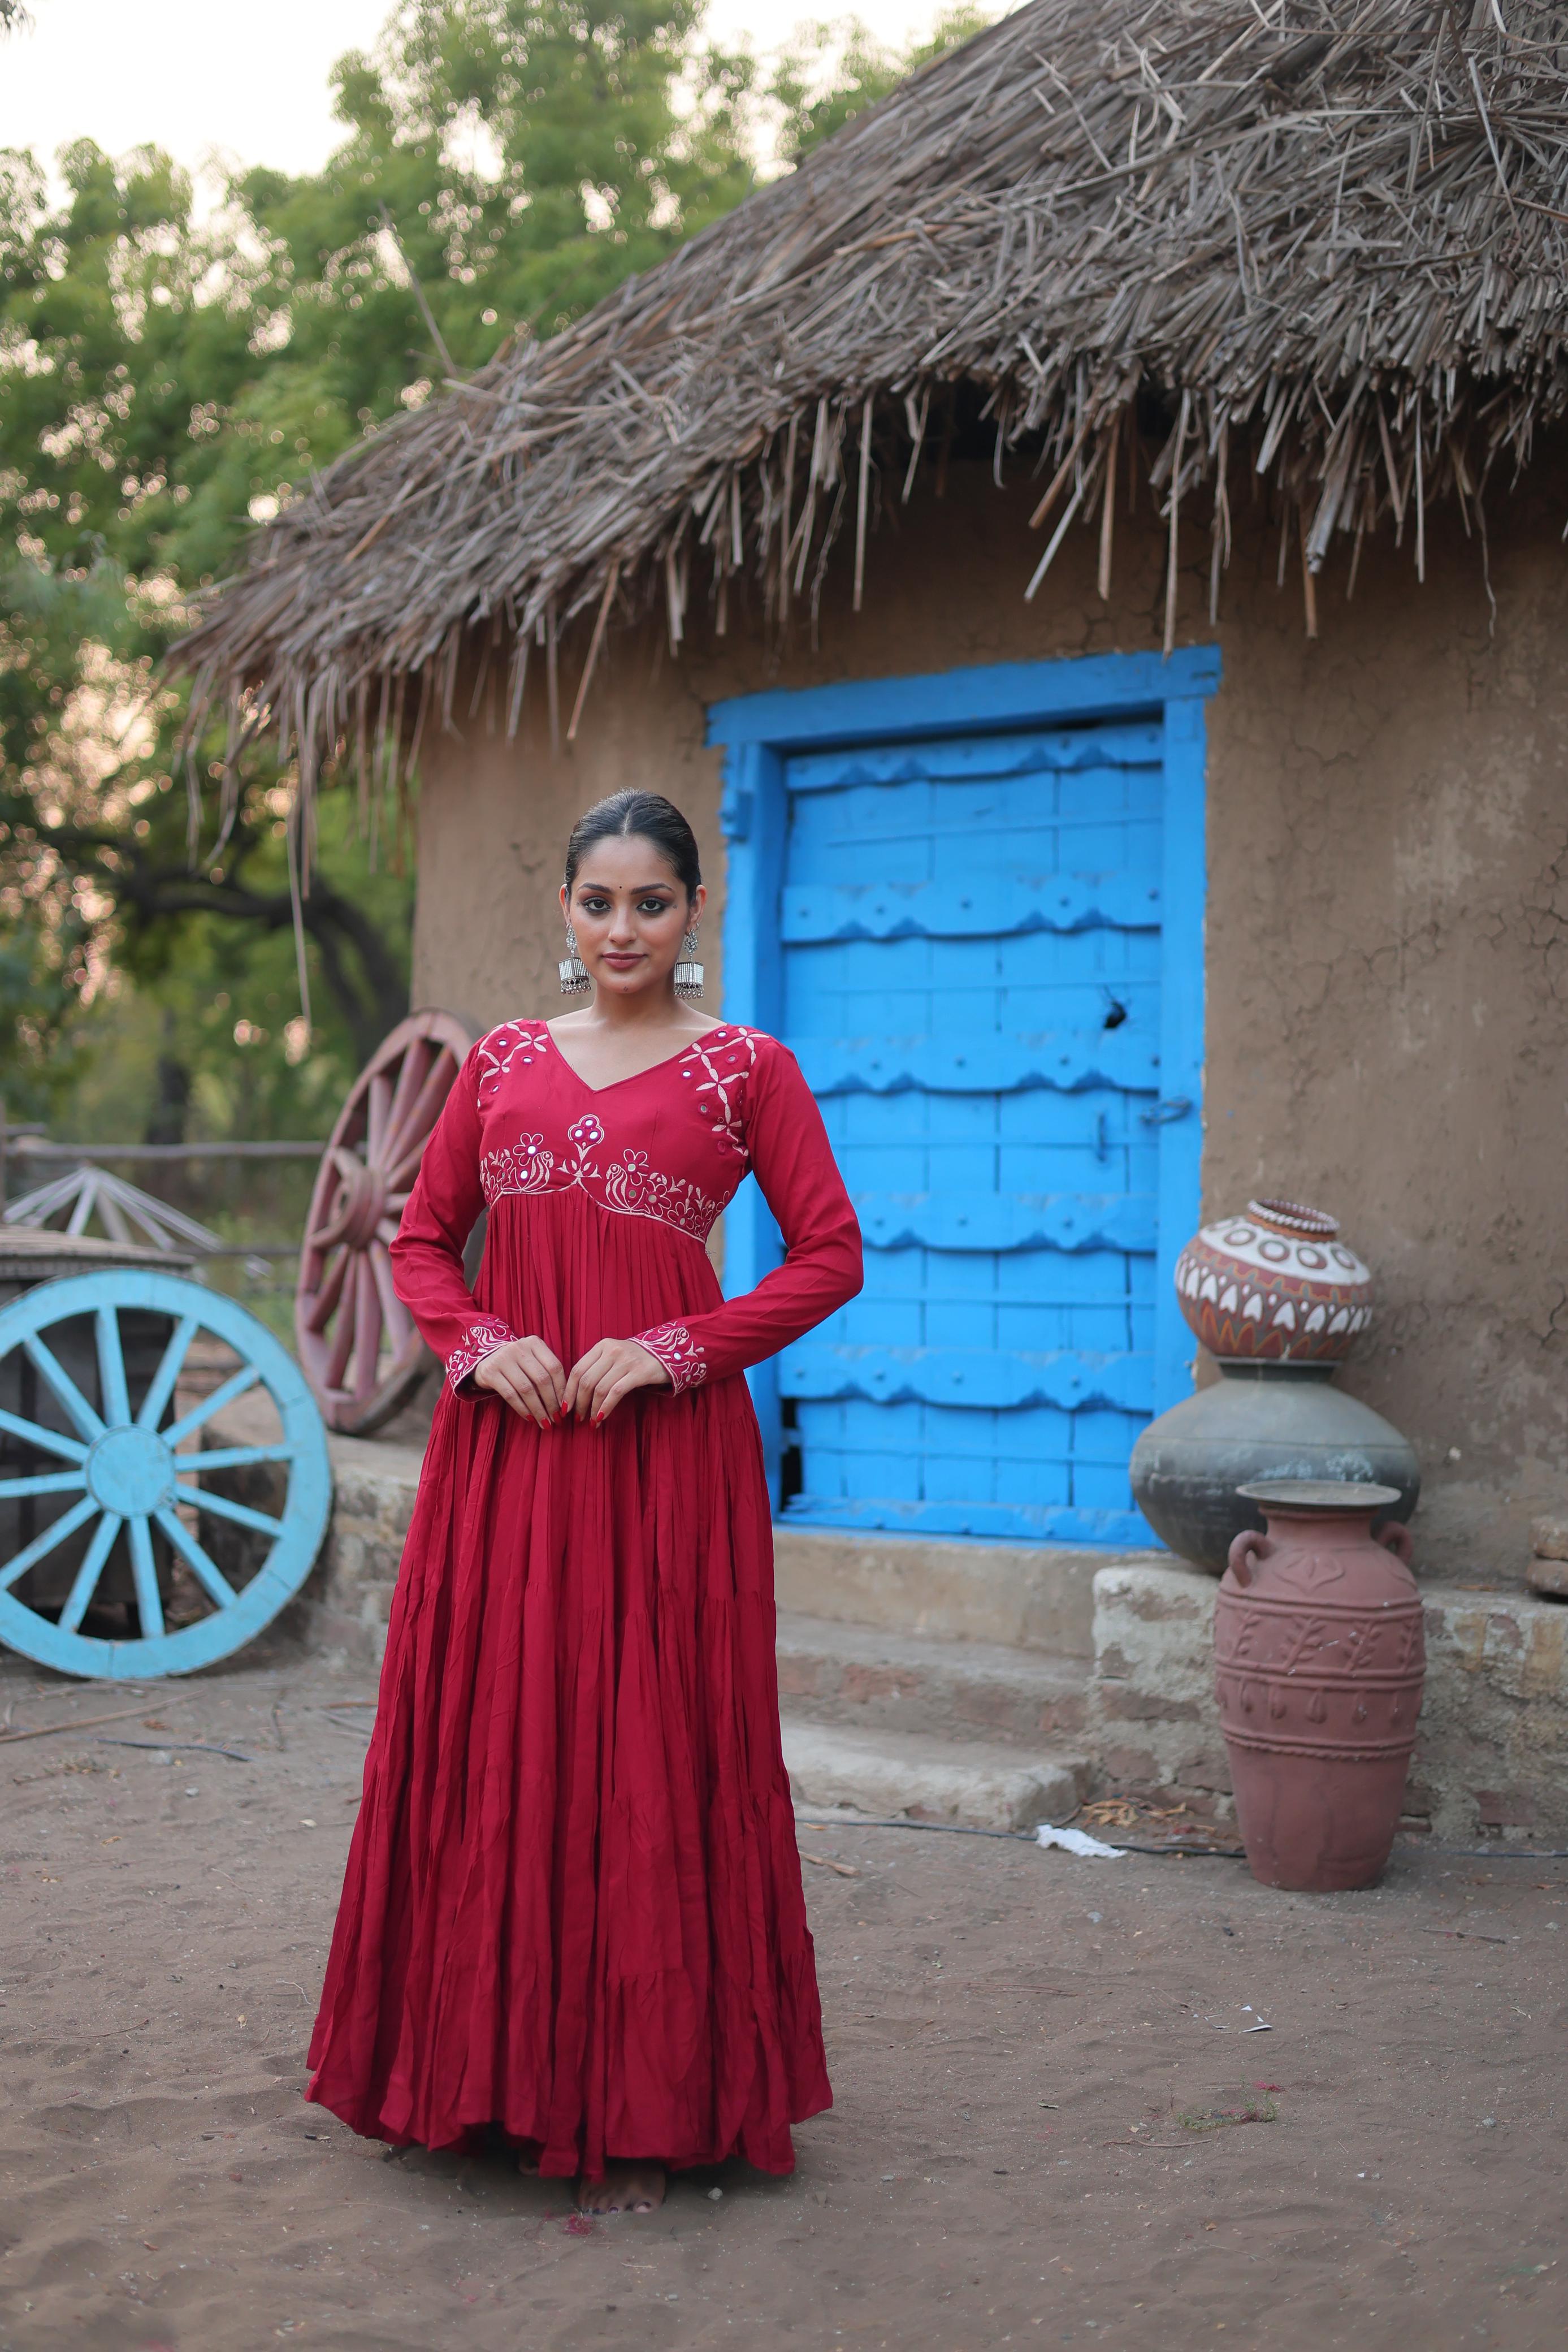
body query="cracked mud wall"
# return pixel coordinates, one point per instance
(1387, 930)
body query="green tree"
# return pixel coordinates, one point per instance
(167, 379)
(832, 69)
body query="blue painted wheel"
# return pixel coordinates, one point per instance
(115, 1377)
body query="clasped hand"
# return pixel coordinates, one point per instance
(528, 1376)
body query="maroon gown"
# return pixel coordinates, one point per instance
(573, 1907)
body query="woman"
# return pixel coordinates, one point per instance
(573, 1908)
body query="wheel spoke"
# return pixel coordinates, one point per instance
(144, 1569)
(240, 1513)
(114, 1224)
(348, 1322)
(422, 1117)
(55, 1533)
(379, 1098)
(87, 1574)
(168, 1372)
(47, 1482)
(113, 1395)
(409, 1078)
(238, 1458)
(64, 1388)
(203, 1567)
(47, 1440)
(330, 1293)
(367, 1331)
(246, 1378)
(393, 1308)
(407, 1168)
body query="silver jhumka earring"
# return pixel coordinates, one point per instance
(574, 972)
(689, 972)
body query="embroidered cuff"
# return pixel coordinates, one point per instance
(478, 1342)
(680, 1354)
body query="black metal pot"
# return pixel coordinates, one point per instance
(1259, 1420)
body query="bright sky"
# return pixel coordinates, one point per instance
(195, 76)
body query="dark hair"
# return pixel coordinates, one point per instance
(647, 814)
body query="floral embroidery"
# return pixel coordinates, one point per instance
(726, 1058)
(719, 1064)
(522, 1167)
(479, 1340)
(682, 1356)
(501, 1048)
(630, 1186)
(639, 1190)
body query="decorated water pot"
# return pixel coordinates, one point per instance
(1319, 1666)
(1274, 1284)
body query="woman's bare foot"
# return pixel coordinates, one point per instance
(625, 2189)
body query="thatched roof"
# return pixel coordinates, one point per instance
(1324, 238)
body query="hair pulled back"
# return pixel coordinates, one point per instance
(646, 816)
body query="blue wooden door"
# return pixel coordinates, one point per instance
(972, 976)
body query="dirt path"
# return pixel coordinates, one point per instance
(1023, 2047)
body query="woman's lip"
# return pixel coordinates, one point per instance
(620, 962)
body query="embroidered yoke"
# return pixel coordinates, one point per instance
(670, 1145)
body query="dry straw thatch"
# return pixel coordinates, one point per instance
(1324, 238)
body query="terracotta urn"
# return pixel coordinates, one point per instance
(1320, 1661)
(1276, 1284)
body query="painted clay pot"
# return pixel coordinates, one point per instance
(1277, 1284)
(1258, 1420)
(1320, 1662)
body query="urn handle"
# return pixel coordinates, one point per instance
(1248, 1550)
(1396, 1537)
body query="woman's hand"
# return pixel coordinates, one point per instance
(609, 1371)
(525, 1375)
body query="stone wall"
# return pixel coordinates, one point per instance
(343, 1612)
(1492, 1748)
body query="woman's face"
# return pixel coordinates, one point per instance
(630, 911)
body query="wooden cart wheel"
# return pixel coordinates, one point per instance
(108, 1448)
(357, 1340)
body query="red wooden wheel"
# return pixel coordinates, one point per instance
(356, 1341)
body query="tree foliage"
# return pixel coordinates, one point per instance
(169, 375)
(832, 69)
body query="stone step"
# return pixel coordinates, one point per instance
(831, 1672)
(885, 1641)
(1029, 1596)
(975, 1783)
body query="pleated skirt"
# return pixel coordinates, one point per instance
(572, 1909)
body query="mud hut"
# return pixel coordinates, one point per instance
(1085, 550)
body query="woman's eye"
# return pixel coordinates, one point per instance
(654, 907)
(593, 906)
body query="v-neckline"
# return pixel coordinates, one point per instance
(633, 1075)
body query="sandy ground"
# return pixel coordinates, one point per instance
(1024, 2049)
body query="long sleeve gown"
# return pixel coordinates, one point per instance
(573, 1907)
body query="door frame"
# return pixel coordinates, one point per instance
(757, 733)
